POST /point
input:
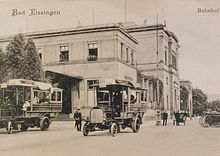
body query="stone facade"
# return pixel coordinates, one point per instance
(153, 39)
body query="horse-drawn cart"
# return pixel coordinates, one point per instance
(25, 103)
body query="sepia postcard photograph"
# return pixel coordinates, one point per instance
(109, 78)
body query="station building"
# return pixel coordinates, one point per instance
(85, 56)
(80, 57)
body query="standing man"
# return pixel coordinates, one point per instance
(165, 115)
(78, 119)
(177, 118)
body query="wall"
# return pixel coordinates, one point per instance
(147, 62)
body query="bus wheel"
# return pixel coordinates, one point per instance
(85, 130)
(44, 123)
(136, 125)
(114, 129)
(9, 127)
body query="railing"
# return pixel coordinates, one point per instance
(92, 58)
(6, 112)
(46, 107)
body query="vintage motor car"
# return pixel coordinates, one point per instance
(118, 106)
(26, 103)
(210, 118)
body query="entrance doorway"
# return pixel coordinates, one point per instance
(66, 83)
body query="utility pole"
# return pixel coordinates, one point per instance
(158, 109)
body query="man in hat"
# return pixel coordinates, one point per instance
(78, 119)
(165, 115)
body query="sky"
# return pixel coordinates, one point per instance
(198, 33)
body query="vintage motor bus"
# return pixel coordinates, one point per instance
(26, 103)
(118, 105)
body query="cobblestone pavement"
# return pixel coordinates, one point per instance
(63, 140)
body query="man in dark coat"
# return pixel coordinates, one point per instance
(165, 115)
(177, 116)
(78, 119)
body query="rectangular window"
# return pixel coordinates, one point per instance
(142, 96)
(132, 57)
(39, 51)
(174, 61)
(92, 83)
(1, 96)
(167, 102)
(145, 97)
(166, 80)
(53, 96)
(59, 96)
(93, 52)
(165, 57)
(127, 57)
(64, 53)
(121, 50)
(103, 97)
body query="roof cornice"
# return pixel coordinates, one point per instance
(74, 31)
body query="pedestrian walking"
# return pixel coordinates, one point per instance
(78, 119)
(165, 116)
(177, 116)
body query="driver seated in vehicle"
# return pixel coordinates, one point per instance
(25, 106)
(133, 99)
(36, 100)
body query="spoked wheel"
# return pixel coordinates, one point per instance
(24, 127)
(9, 127)
(44, 123)
(201, 122)
(205, 121)
(85, 130)
(114, 129)
(136, 124)
(208, 120)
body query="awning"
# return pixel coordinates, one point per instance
(42, 86)
(116, 82)
(64, 74)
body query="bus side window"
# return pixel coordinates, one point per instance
(53, 98)
(1, 97)
(58, 96)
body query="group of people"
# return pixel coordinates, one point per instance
(178, 116)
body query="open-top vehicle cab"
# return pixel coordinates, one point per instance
(26, 103)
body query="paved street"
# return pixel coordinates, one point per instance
(62, 140)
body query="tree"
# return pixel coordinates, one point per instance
(33, 69)
(199, 101)
(22, 60)
(214, 105)
(3, 68)
(15, 57)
